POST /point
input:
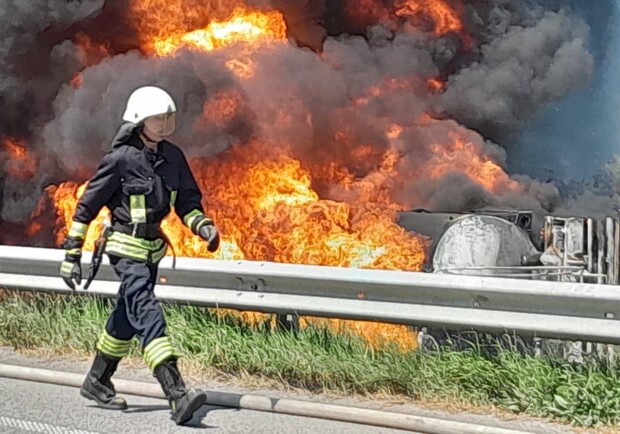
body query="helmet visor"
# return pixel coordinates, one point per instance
(161, 125)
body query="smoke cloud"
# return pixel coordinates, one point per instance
(520, 71)
(29, 66)
(346, 77)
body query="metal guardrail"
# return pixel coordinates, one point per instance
(564, 310)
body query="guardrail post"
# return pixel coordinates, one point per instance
(287, 321)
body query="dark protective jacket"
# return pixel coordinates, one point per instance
(140, 187)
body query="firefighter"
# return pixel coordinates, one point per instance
(139, 180)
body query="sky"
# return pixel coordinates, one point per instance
(573, 138)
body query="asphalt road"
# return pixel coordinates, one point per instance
(27, 407)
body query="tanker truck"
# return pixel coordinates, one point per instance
(506, 243)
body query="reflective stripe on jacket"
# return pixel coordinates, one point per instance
(139, 185)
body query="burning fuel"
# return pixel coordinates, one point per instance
(309, 125)
(241, 26)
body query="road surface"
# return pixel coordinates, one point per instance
(27, 407)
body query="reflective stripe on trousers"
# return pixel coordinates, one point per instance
(137, 311)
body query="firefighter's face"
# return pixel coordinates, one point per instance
(160, 126)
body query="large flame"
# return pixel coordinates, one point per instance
(252, 28)
(242, 26)
(166, 26)
(267, 210)
(445, 18)
(262, 197)
(439, 17)
(459, 155)
(157, 19)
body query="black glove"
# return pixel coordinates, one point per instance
(209, 233)
(71, 269)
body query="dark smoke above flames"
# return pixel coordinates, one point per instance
(510, 60)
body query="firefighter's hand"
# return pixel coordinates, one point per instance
(209, 233)
(71, 270)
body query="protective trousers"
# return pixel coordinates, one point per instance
(137, 313)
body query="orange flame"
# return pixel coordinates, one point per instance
(394, 131)
(378, 335)
(21, 164)
(242, 26)
(89, 51)
(269, 211)
(221, 108)
(157, 19)
(263, 199)
(65, 197)
(389, 85)
(439, 16)
(459, 155)
(249, 27)
(33, 228)
(77, 80)
(435, 85)
(445, 18)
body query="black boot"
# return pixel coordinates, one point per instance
(183, 402)
(97, 385)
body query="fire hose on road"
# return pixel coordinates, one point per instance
(262, 403)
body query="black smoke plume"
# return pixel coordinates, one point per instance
(350, 71)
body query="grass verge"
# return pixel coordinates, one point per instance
(319, 361)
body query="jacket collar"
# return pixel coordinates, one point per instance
(128, 134)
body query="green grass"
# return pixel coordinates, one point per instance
(317, 360)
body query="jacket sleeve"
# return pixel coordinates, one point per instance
(98, 192)
(188, 205)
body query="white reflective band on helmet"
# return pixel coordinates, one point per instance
(148, 101)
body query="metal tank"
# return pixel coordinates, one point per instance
(502, 243)
(482, 245)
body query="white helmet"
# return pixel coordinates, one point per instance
(148, 101)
